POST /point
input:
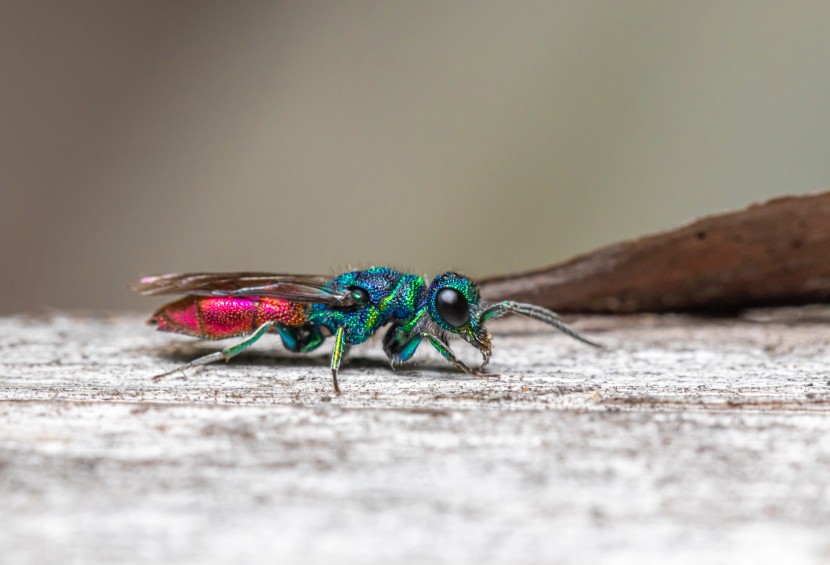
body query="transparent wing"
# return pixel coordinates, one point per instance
(296, 288)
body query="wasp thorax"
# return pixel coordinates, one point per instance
(452, 306)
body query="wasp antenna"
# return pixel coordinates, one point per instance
(536, 313)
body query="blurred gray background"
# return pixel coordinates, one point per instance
(143, 137)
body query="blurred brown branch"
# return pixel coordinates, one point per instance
(775, 253)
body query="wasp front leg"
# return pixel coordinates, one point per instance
(400, 345)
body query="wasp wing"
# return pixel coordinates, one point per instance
(296, 288)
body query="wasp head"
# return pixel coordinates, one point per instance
(453, 304)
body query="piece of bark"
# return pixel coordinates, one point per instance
(775, 253)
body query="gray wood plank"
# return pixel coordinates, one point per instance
(687, 441)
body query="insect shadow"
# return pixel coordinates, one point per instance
(276, 358)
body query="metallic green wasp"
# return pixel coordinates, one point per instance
(306, 309)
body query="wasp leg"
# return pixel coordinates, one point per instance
(225, 354)
(337, 356)
(536, 313)
(399, 344)
(301, 339)
(444, 349)
(400, 347)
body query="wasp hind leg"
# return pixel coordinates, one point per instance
(226, 354)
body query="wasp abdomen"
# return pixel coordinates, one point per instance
(223, 317)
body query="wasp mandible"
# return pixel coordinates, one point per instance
(306, 309)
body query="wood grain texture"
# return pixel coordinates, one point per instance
(687, 441)
(775, 253)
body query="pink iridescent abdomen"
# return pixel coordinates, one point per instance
(223, 317)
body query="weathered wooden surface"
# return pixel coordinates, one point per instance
(769, 254)
(688, 441)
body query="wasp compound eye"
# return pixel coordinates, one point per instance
(359, 295)
(452, 306)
